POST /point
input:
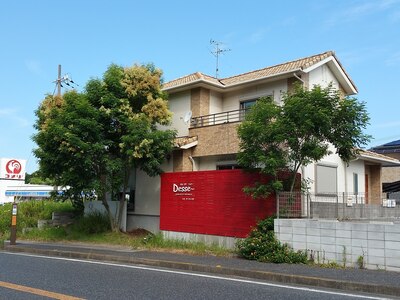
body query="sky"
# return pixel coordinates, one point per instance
(85, 37)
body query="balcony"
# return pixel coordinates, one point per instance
(218, 119)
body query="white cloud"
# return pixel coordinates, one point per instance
(390, 124)
(360, 10)
(13, 115)
(395, 16)
(362, 55)
(258, 36)
(34, 67)
(6, 111)
(393, 59)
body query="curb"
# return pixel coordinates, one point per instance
(254, 274)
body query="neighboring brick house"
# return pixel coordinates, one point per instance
(390, 173)
(207, 111)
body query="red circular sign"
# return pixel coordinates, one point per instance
(13, 167)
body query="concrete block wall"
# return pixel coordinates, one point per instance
(222, 241)
(344, 242)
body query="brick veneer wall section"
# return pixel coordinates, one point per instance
(375, 184)
(216, 140)
(200, 102)
(181, 161)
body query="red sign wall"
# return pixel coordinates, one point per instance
(211, 202)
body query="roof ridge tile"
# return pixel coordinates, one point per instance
(292, 65)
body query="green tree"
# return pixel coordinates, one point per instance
(277, 138)
(70, 148)
(37, 178)
(92, 141)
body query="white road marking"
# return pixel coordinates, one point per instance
(200, 275)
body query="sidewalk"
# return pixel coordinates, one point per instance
(369, 281)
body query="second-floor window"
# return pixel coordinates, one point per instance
(246, 105)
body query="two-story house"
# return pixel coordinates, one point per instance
(206, 113)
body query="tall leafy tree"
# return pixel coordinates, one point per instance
(70, 148)
(92, 141)
(285, 137)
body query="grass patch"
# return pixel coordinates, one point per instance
(149, 242)
(158, 242)
(93, 228)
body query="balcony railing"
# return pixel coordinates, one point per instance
(219, 118)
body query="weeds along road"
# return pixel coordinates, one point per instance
(34, 277)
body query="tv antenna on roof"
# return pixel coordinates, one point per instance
(217, 51)
(63, 79)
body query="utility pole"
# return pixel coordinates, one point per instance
(59, 81)
(63, 79)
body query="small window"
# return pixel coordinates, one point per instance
(245, 106)
(355, 183)
(326, 179)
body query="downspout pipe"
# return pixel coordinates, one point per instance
(193, 163)
(298, 77)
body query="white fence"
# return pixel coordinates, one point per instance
(341, 206)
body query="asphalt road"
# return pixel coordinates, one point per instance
(31, 277)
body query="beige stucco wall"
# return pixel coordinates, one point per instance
(179, 105)
(232, 99)
(322, 76)
(355, 167)
(215, 102)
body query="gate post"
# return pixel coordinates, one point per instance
(277, 205)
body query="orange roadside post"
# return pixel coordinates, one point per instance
(13, 236)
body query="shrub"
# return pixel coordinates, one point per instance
(29, 212)
(262, 245)
(95, 222)
(5, 219)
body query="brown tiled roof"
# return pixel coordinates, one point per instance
(301, 63)
(287, 67)
(378, 156)
(184, 140)
(189, 79)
